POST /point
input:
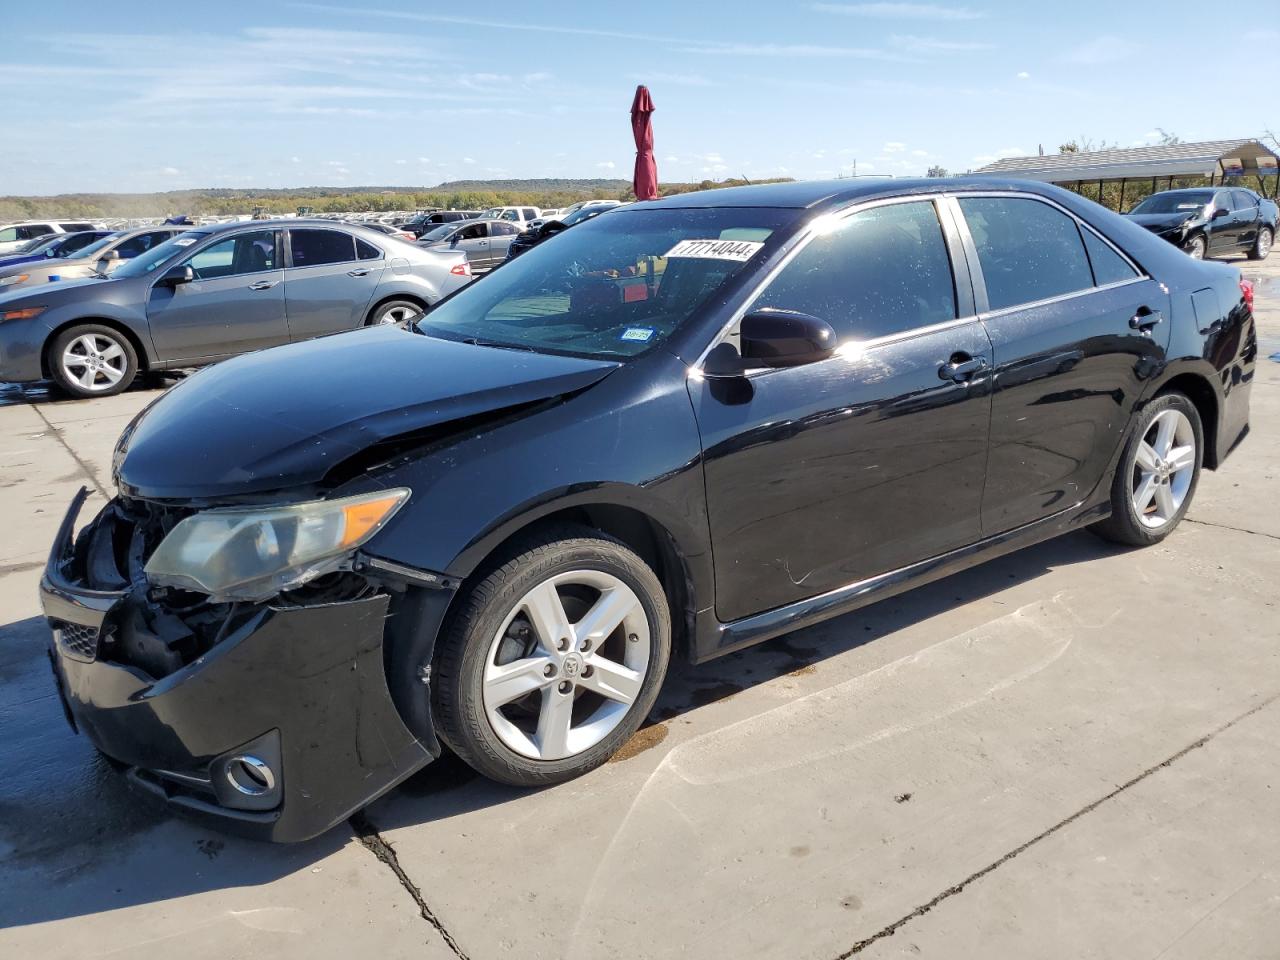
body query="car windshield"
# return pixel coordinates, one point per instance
(94, 247)
(614, 288)
(36, 245)
(1174, 202)
(145, 262)
(584, 213)
(493, 213)
(439, 233)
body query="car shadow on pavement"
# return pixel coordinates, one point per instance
(75, 840)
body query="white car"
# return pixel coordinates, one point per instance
(14, 235)
(520, 216)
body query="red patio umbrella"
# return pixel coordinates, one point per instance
(645, 181)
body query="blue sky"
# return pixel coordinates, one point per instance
(147, 96)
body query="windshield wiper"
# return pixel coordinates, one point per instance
(477, 342)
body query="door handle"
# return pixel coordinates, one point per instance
(263, 285)
(362, 272)
(961, 367)
(1145, 319)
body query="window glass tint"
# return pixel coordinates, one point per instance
(1028, 250)
(367, 251)
(8, 234)
(35, 230)
(243, 253)
(505, 229)
(75, 243)
(1108, 266)
(142, 243)
(879, 272)
(75, 227)
(314, 247)
(1243, 200)
(477, 231)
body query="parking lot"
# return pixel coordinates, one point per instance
(1071, 751)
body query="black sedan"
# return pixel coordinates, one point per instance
(1209, 223)
(543, 231)
(681, 429)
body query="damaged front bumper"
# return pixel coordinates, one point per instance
(280, 728)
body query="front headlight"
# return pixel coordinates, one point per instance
(254, 553)
(19, 278)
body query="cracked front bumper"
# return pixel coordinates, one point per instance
(302, 687)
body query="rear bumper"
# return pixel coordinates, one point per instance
(301, 689)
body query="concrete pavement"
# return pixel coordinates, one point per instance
(1067, 752)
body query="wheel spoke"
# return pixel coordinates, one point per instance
(603, 618)
(1146, 490)
(1165, 428)
(112, 351)
(1180, 458)
(612, 680)
(552, 737)
(547, 615)
(1147, 457)
(70, 359)
(1165, 507)
(87, 378)
(512, 681)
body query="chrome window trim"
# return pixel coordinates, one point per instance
(811, 232)
(1033, 304)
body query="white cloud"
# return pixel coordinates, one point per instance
(401, 162)
(168, 171)
(919, 153)
(335, 163)
(866, 166)
(984, 159)
(899, 11)
(606, 165)
(294, 160)
(424, 159)
(1023, 75)
(894, 146)
(672, 79)
(714, 48)
(467, 160)
(1104, 49)
(712, 158)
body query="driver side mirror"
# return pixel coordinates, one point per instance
(1219, 213)
(175, 276)
(773, 338)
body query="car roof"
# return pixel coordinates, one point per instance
(808, 194)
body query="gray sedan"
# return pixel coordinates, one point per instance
(484, 242)
(214, 292)
(102, 256)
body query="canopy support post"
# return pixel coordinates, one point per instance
(1120, 205)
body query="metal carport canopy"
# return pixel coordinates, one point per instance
(1136, 163)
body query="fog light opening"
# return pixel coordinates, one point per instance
(250, 775)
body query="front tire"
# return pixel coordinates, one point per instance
(553, 660)
(1197, 247)
(1261, 244)
(393, 312)
(91, 360)
(1157, 475)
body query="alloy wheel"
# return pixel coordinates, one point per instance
(1264, 244)
(567, 664)
(399, 314)
(95, 361)
(1196, 248)
(1163, 468)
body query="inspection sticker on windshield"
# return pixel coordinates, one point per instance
(184, 241)
(639, 334)
(715, 249)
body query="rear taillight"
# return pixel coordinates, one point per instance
(1246, 288)
(462, 270)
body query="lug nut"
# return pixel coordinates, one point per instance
(586, 645)
(565, 686)
(549, 670)
(588, 670)
(562, 644)
(631, 637)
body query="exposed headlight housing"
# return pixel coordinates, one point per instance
(253, 554)
(17, 278)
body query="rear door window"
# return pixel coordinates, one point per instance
(1028, 250)
(314, 247)
(1243, 200)
(1108, 266)
(34, 230)
(879, 272)
(367, 251)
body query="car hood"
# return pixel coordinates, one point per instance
(1162, 221)
(286, 417)
(48, 294)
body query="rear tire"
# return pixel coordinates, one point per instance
(1157, 475)
(393, 312)
(1261, 244)
(92, 360)
(553, 660)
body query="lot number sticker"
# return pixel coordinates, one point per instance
(715, 249)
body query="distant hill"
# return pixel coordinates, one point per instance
(222, 201)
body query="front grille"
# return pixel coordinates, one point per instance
(78, 641)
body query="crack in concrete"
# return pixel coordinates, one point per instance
(93, 479)
(950, 892)
(1227, 526)
(368, 835)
